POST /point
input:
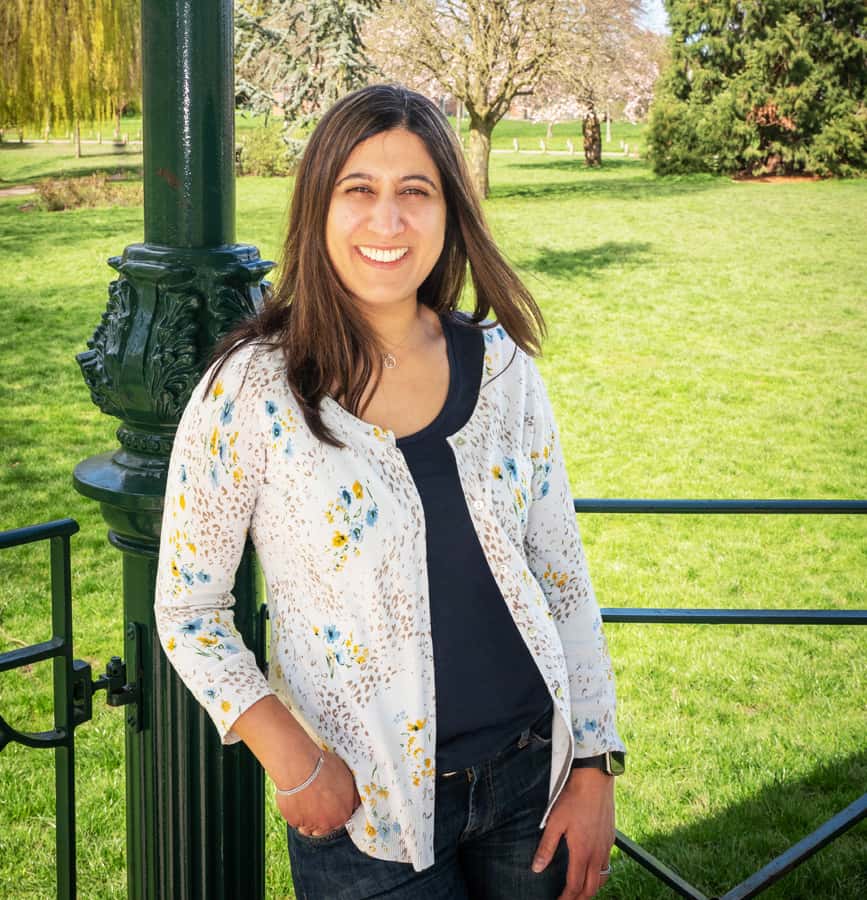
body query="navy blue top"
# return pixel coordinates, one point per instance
(488, 688)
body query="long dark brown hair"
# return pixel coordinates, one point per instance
(314, 320)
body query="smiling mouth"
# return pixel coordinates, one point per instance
(382, 256)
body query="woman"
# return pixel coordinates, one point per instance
(438, 687)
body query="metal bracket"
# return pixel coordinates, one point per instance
(119, 692)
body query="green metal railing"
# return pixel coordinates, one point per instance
(73, 689)
(58, 649)
(855, 811)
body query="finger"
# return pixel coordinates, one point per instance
(576, 875)
(547, 848)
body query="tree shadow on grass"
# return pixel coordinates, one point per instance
(720, 852)
(632, 181)
(568, 264)
(110, 160)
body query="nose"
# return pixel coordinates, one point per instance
(385, 218)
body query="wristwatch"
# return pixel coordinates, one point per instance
(612, 762)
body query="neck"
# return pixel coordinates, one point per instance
(398, 324)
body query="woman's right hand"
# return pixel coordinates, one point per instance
(326, 804)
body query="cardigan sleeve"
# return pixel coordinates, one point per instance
(217, 460)
(556, 558)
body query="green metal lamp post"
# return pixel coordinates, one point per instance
(195, 809)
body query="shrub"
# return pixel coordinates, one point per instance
(94, 190)
(262, 151)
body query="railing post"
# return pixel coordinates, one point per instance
(195, 809)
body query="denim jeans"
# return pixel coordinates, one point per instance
(486, 834)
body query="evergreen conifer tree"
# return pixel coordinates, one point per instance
(777, 87)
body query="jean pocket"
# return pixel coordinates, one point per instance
(319, 839)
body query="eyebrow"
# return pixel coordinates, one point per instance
(365, 177)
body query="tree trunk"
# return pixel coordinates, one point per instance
(117, 122)
(77, 131)
(479, 154)
(550, 132)
(607, 125)
(592, 140)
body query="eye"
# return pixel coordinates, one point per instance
(416, 192)
(360, 188)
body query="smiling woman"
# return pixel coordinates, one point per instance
(387, 219)
(439, 686)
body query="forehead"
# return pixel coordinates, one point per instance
(391, 153)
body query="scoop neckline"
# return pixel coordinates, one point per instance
(434, 424)
(386, 433)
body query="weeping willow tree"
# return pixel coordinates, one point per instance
(64, 62)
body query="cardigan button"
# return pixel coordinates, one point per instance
(459, 440)
(478, 506)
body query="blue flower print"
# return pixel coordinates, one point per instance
(276, 430)
(203, 577)
(270, 407)
(383, 829)
(210, 694)
(347, 497)
(511, 468)
(287, 450)
(356, 533)
(192, 626)
(183, 474)
(590, 725)
(372, 515)
(545, 488)
(187, 575)
(331, 634)
(226, 412)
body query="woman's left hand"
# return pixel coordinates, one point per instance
(584, 813)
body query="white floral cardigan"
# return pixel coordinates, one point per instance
(340, 538)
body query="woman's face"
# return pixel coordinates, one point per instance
(387, 219)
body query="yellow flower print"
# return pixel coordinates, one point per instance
(207, 640)
(171, 644)
(329, 517)
(546, 452)
(361, 659)
(182, 501)
(416, 781)
(225, 706)
(519, 499)
(339, 539)
(497, 472)
(382, 792)
(191, 547)
(215, 442)
(238, 475)
(417, 725)
(417, 751)
(218, 389)
(369, 830)
(175, 570)
(358, 490)
(316, 630)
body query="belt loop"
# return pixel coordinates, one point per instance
(524, 739)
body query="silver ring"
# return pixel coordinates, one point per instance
(605, 871)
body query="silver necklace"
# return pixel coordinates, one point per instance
(389, 360)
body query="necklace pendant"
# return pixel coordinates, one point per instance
(389, 361)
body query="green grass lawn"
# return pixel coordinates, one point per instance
(707, 339)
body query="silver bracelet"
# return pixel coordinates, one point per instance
(287, 792)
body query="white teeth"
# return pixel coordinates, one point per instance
(383, 255)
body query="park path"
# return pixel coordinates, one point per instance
(17, 190)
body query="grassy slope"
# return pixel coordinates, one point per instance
(706, 339)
